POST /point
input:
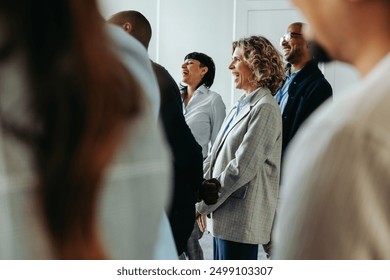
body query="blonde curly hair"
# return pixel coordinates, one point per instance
(264, 60)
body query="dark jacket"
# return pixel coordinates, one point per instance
(187, 159)
(308, 90)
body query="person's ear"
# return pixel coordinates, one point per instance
(204, 70)
(127, 27)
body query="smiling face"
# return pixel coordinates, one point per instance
(241, 71)
(193, 72)
(293, 44)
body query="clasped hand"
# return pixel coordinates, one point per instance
(209, 191)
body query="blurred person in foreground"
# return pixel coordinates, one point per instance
(336, 181)
(246, 155)
(84, 169)
(189, 186)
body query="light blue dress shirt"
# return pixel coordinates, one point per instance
(241, 103)
(282, 95)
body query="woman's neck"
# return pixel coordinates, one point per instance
(190, 92)
(191, 89)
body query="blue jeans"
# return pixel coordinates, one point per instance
(229, 250)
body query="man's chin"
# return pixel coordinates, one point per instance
(319, 53)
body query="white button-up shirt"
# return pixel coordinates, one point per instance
(204, 115)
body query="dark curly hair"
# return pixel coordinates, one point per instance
(264, 60)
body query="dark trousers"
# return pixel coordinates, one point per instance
(194, 250)
(229, 250)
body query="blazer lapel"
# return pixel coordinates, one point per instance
(217, 142)
(224, 124)
(245, 111)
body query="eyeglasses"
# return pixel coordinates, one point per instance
(288, 36)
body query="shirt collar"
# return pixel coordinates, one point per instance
(290, 75)
(202, 89)
(246, 98)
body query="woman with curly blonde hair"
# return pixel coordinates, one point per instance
(246, 155)
(264, 61)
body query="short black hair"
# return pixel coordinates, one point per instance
(207, 61)
(141, 29)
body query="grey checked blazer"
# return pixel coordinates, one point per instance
(246, 160)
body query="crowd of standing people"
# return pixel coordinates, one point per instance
(103, 155)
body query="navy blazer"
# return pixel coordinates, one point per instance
(187, 159)
(308, 90)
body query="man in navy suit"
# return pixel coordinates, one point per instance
(305, 87)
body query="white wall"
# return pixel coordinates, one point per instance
(149, 8)
(183, 26)
(197, 25)
(209, 26)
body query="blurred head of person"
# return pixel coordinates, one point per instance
(134, 23)
(256, 63)
(198, 69)
(80, 97)
(353, 31)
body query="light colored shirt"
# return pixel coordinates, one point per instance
(128, 57)
(132, 54)
(335, 198)
(282, 94)
(204, 115)
(241, 103)
(135, 188)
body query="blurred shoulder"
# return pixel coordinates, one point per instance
(135, 58)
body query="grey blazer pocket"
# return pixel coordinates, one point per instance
(241, 192)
